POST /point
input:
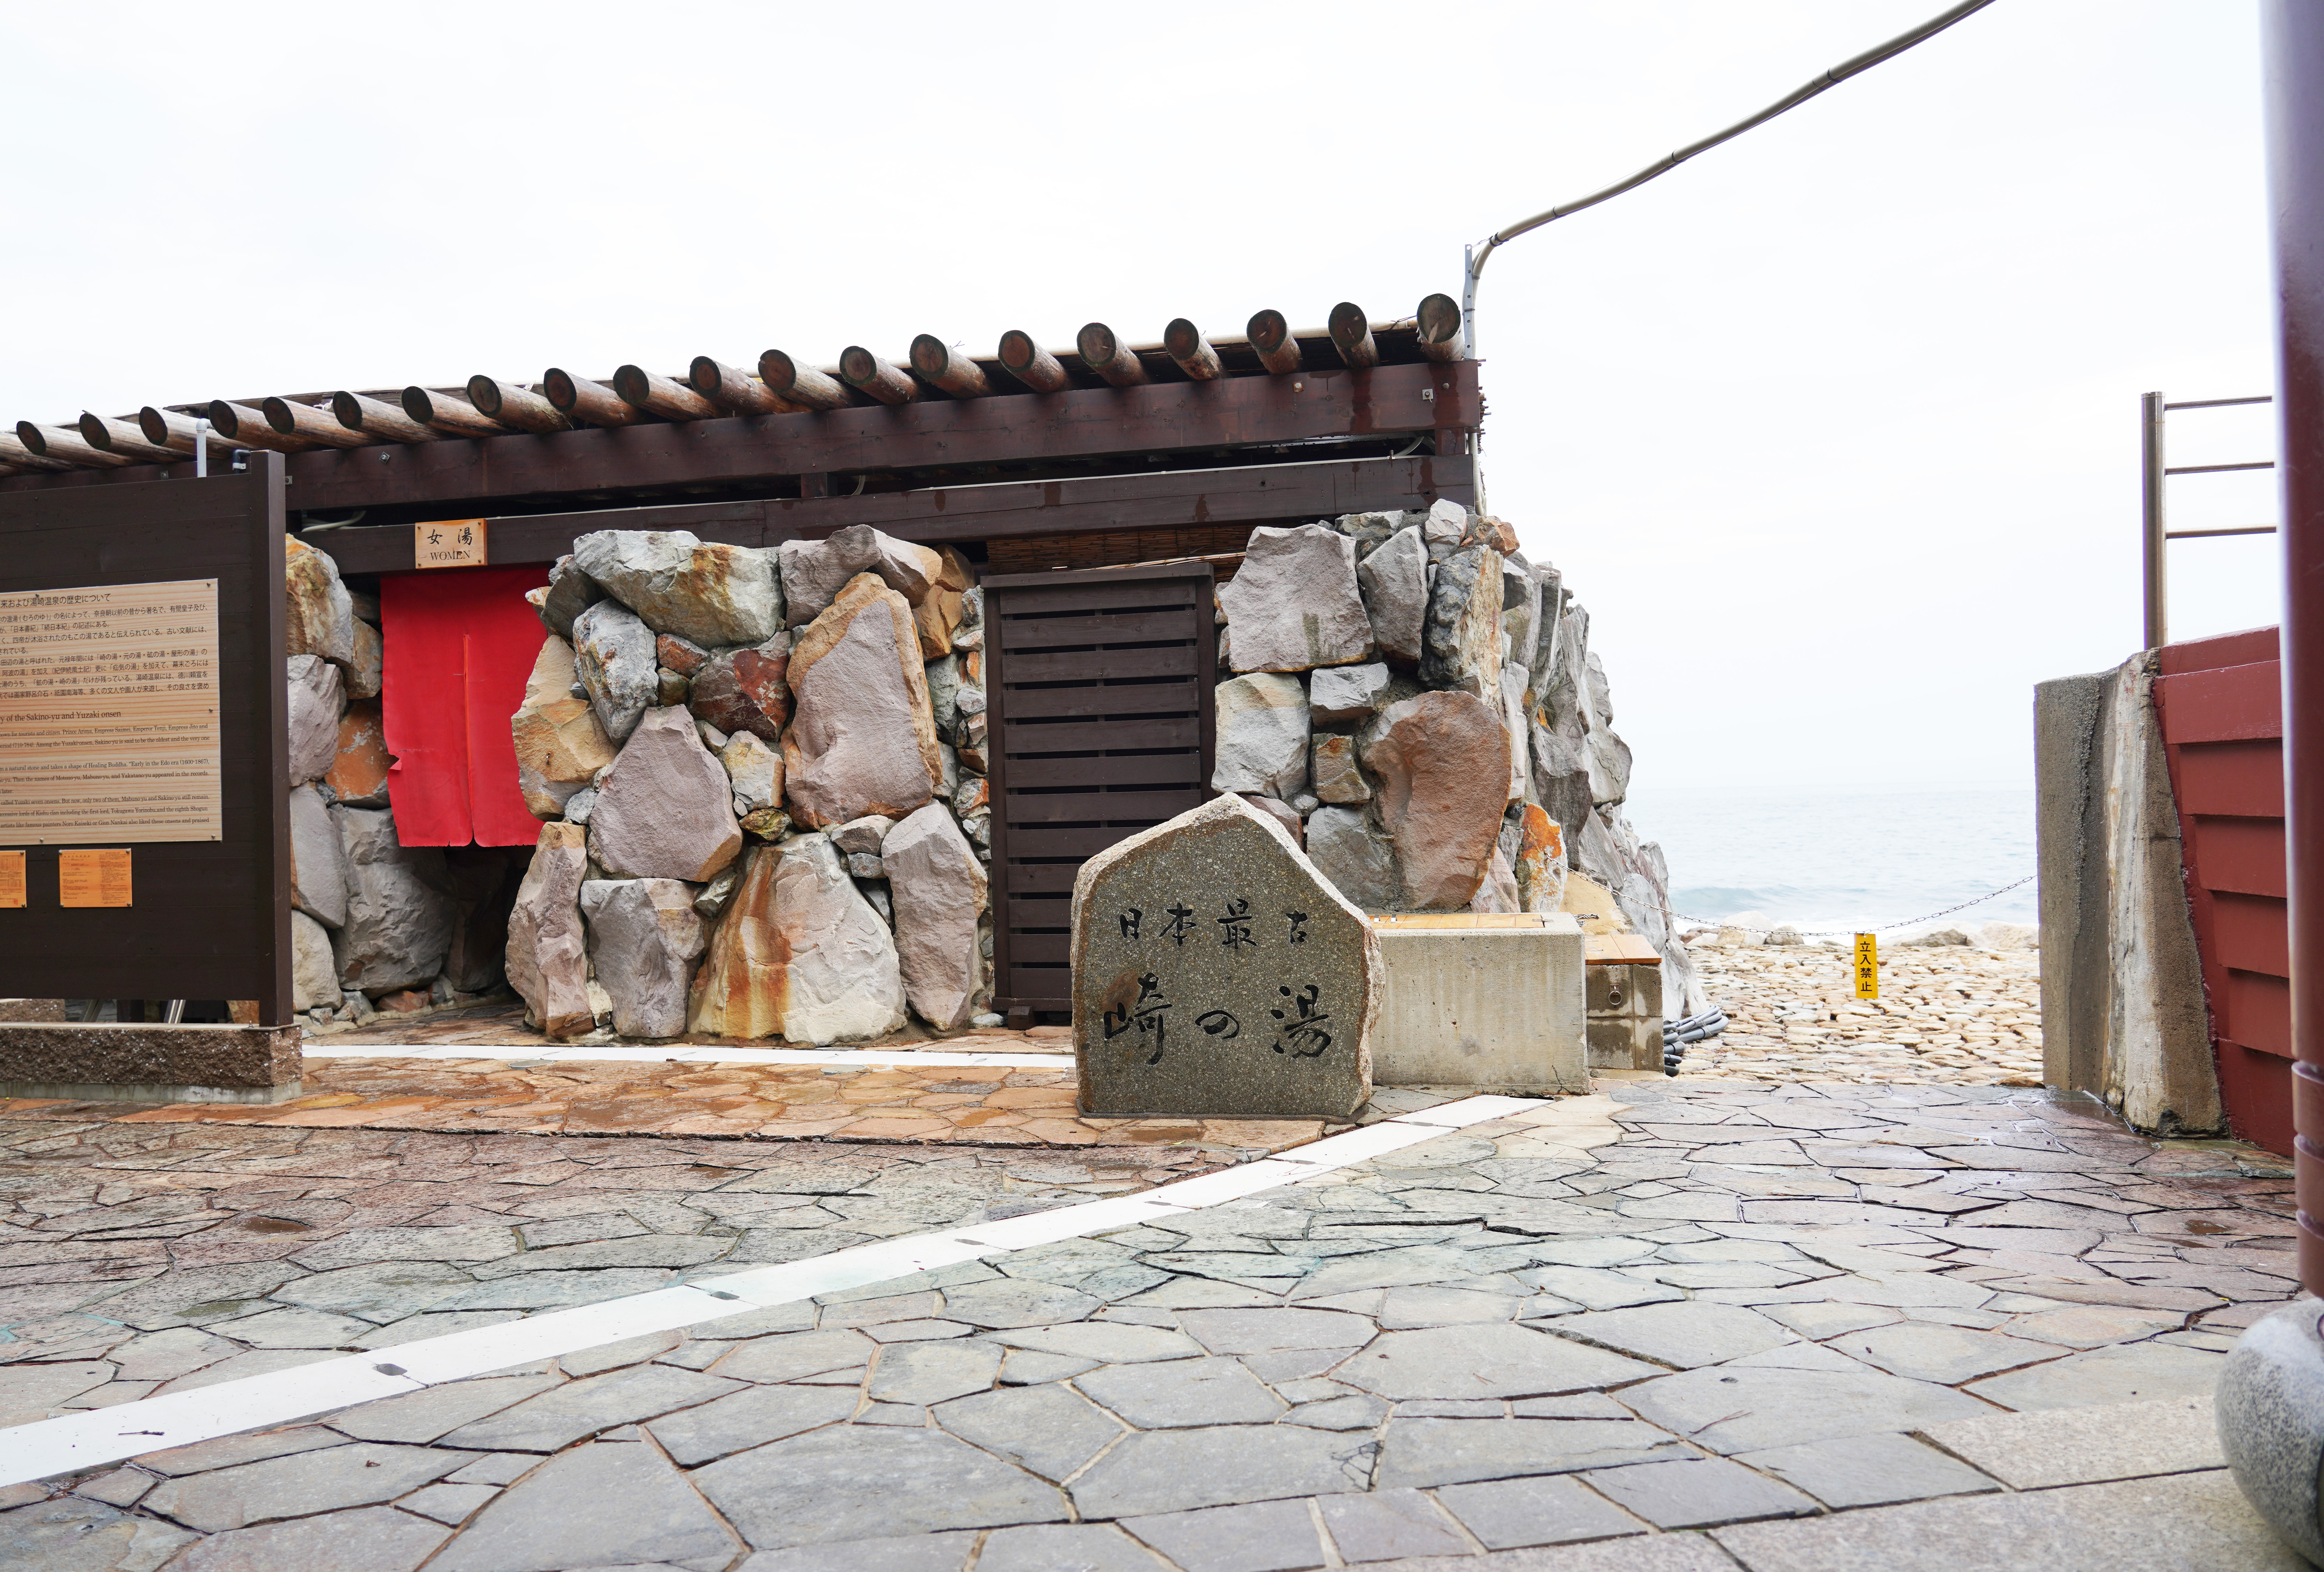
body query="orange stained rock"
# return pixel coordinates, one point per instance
(741, 990)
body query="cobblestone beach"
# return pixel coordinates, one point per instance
(1947, 1015)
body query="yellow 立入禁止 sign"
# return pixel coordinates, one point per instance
(1868, 967)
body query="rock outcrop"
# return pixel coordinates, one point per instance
(614, 658)
(315, 699)
(1294, 605)
(1262, 736)
(1332, 772)
(1540, 862)
(560, 743)
(644, 938)
(314, 981)
(570, 593)
(746, 690)
(358, 774)
(1346, 693)
(938, 889)
(1358, 861)
(665, 808)
(547, 959)
(709, 593)
(1441, 788)
(862, 739)
(399, 922)
(755, 771)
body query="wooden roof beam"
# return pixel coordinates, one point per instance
(1437, 327)
(869, 374)
(1031, 364)
(126, 439)
(1185, 345)
(174, 430)
(323, 431)
(244, 426)
(1103, 351)
(1272, 341)
(737, 393)
(451, 417)
(371, 418)
(658, 395)
(65, 443)
(514, 404)
(934, 363)
(802, 385)
(578, 398)
(1351, 335)
(16, 453)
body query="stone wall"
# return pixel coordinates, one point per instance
(1419, 703)
(375, 925)
(761, 779)
(2123, 1011)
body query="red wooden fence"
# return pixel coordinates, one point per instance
(2221, 705)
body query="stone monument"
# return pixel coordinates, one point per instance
(1217, 973)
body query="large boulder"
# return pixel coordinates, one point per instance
(547, 964)
(863, 741)
(644, 938)
(666, 810)
(1520, 610)
(1444, 528)
(613, 657)
(1292, 605)
(1369, 531)
(314, 704)
(1498, 892)
(1394, 582)
(318, 615)
(1561, 777)
(560, 743)
(1513, 736)
(1441, 786)
(399, 912)
(710, 593)
(314, 981)
(1217, 972)
(800, 953)
(1460, 647)
(815, 571)
(746, 690)
(1360, 863)
(938, 889)
(570, 593)
(1609, 756)
(358, 774)
(318, 874)
(1262, 736)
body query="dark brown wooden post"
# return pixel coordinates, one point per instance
(2295, 114)
(268, 757)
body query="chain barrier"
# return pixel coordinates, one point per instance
(1845, 932)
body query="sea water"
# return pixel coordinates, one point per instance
(1846, 859)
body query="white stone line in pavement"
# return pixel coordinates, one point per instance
(617, 1053)
(152, 1424)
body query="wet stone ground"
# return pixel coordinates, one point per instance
(1692, 1325)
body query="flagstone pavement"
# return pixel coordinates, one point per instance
(1681, 1326)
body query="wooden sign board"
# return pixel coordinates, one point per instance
(93, 877)
(109, 713)
(448, 543)
(12, 878)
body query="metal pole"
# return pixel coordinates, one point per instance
(2294, 58)
(2154, 548)
(201, 448)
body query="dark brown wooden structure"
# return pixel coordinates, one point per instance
(1100, 689)
(209, 919)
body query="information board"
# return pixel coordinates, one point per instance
(109, 713)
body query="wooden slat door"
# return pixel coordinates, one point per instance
(1099, 688)
(2221, 704)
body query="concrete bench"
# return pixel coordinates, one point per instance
(1624, 985)
(1493, 1002)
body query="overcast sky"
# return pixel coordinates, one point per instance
(1834, 430)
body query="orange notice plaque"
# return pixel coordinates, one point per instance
(448, 543)
(12, 878)
(93, 877)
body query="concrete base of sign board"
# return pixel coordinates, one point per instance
(101, 1062)
(1625, 1015)
(1491, 1002)
(34, 1009)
